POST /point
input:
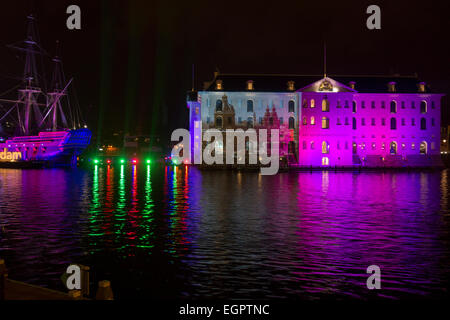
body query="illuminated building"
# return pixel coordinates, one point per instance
(371, 121)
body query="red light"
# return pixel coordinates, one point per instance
(186, 161)
(134, 161)
(108, 161)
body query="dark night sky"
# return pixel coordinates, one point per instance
(132, 60)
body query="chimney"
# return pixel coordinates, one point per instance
(250, 85)
(352, 84)
(291, 85)
(391, 86)
(422, 87)
(219, 85)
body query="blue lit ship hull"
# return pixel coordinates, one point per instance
(49, 149)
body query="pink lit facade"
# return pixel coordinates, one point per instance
(392, 124)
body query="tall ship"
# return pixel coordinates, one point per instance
(39, 125)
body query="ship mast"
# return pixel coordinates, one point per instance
(33, 115)
(30, 92)
(54, 97)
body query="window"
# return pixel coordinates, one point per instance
(383, 105)
(239, 120)
(325, 105)
(291, 123)
(363, 104)
(432, 122)
(304, 121)
(312, 145)
(271, 121)
(325, 161)
(354, 123)
(260, 120)
(393, 106)
(338, 121)
(338, 104)
(413, 106)
(413, 122)
(403, 104)
(281, 120)
(373, 146)
(305, 104)
(346, 145)
(354, 106)
(313, 121)
(373, 121)
(208, 120)
(291, 106)
(219, 122)
(432, 104)
(249, 105)
(423, 147)
(413, 146)
(354, 148)
(383, 146)
(383, 121)
(423, 124)
(346, 104)
(363, 121)
(403, 122)
(219, 105)
(393, 124)
(393, 148)
(325, 123)
(250, 122)
(304, 145)
(312, 103)
(346, 122)
(423, 107)
(325, 147)
(338, 146)
(373, 104)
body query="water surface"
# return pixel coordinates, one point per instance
(180, 232)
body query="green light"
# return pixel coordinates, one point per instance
(122, 161)
(149, 161)
(96, 161)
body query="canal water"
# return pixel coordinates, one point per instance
(165, 232)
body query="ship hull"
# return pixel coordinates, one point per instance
(47, 149)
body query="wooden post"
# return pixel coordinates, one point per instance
(75, 294)
(104, 291)
(3, 276)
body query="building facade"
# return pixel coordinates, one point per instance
(328, 121)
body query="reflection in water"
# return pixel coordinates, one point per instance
(176, 231)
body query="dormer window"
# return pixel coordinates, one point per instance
(290, 85)
(219, 85)
(422, 87)
(391, 86)
(250, 85)
(352, 84)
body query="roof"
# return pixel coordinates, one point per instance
(279, 82)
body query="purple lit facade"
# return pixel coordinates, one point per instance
(338, 121)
